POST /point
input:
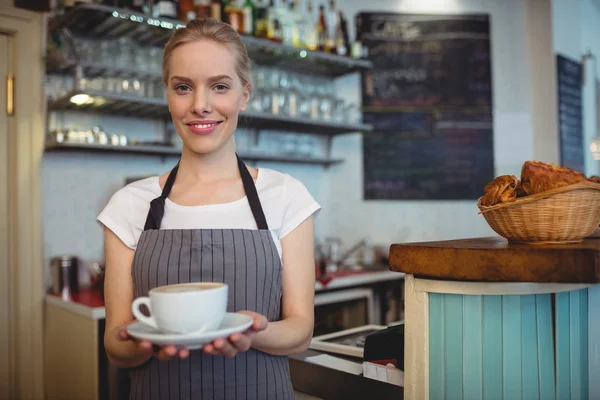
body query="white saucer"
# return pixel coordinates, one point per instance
(232, 323)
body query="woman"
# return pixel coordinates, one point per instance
(212, 219)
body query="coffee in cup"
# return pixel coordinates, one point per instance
(184, 308)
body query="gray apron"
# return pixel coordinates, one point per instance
(246, 260)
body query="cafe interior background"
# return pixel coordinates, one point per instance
(521, 108)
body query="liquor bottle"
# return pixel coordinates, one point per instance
(216, 10)
(358, 48)
(321, 29)
(331, 18)
(249, 21)
(311, 35)
(166, 9)
(271, 17)
(342, 45)
(262, 21)
(277, 32)
(202, 9)
(345, 34)
(233, 15)
(284, 16)
(186, 10)
(301, 25)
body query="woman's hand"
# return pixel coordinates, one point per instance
(238, 342)
(145, 347)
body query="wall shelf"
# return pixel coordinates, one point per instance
(136, 106)
(98, 21)
(90, 70)
(168, 151)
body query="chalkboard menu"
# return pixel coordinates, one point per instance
(429, 98)
(570, 113)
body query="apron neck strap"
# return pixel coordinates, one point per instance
(157, 206)
(252, 195)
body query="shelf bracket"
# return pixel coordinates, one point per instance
(328, 140)
(253, 135)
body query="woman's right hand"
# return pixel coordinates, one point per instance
(146, 347)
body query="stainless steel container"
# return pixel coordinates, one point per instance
(65, 276)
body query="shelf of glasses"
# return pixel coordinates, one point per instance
(169, 151)
(90, 70)
(135, 106)
(102, 22)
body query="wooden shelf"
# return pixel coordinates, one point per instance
(134, 106)
(98, 21)
(168, 151)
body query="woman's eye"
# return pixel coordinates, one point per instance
(221, 88)
(182, 88)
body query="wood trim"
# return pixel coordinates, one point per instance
(495, 288)
(25, 144)
(416, 342)
(5, 303)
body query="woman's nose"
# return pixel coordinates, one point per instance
(202, 102)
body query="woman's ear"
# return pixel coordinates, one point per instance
(245, 98)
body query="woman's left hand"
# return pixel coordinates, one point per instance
(237, 342)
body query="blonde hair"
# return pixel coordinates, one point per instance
(217, 31)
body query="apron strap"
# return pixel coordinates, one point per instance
(157, 206)
(252, 195)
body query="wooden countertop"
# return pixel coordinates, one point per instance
(495, 260)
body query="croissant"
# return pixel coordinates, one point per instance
(501, 190)
(538, 177)
(595, 179)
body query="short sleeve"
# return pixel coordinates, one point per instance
(299, 204)
(118, 217)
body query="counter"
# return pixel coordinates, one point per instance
(77, 368)
(489, 319)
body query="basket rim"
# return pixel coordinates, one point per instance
(538, 196)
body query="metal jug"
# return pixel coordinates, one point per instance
(65, 276)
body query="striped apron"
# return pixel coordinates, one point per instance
(247, 261)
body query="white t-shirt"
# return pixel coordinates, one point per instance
(285, 201)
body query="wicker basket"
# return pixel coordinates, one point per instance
(559, 216)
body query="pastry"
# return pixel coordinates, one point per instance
(501, 190)
(595, 179)
(538, 177)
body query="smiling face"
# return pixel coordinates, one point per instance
(205, 94)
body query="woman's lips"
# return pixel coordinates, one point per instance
(203, 127)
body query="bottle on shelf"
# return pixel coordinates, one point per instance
(358, 48)
(216, 10)
(233, 15)
(201, 9)
(165, 9)
(186, 10)
(311, 35)
(341, 36)
(300, 24)
(262, 20)
(321, 29)
(248, 17)
(271, 18)
(332, 23)
(284, 16)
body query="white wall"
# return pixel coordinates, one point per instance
(576, 29)
(76, 187)
(398, 221)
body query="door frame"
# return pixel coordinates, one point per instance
(26, 145)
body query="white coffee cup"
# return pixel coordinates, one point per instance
(184, 308)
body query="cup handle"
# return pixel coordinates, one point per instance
(135, 308)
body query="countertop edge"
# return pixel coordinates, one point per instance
(95, 313)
